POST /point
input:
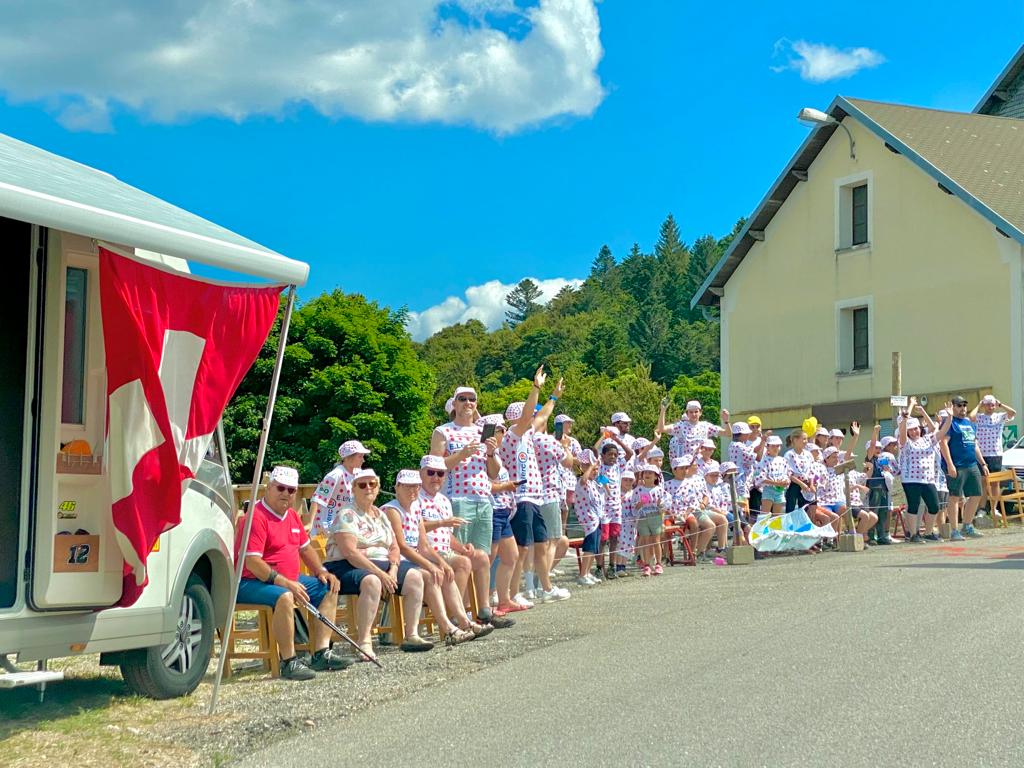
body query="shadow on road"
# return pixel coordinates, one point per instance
(995, 565)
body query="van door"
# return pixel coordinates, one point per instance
(76, 562)
(16, 246)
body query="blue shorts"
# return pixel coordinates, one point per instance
(774, 494)
(256, 592)
(528, 525)
(592, 542)
(833, 508)
(501, 528)
(351, 577)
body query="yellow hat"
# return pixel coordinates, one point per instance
(754, 420)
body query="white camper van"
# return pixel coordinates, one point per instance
(60, 568)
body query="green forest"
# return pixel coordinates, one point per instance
(623, 340)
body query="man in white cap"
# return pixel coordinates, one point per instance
(277, 543)
(621, 421)
(745, 457)
(335, 490)
(519, 457)
(989, 417)
(472, 464)
(690, 431)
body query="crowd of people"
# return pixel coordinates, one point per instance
(484, 519)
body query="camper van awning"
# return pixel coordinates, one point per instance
(42, 188)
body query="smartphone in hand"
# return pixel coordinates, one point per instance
(488, 433)
(559, 430)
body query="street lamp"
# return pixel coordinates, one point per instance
(815, 118)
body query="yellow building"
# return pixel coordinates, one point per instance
(892, 229)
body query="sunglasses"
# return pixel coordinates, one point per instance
(284, 489)
(465, 399)
(436, 472)
(362, 485)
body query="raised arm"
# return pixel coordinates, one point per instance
(1010, 413)
(873, 447)
(660, 429)
(542, 416)
(522, 425)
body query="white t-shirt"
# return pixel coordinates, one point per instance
(989, 432)
(437, 507)
(519, 456)
(468, 479)
(333, 493)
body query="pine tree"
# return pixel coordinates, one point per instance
(604, 264)
(523, 300)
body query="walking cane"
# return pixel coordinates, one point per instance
(323, 619)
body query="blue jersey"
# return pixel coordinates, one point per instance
(962, 442)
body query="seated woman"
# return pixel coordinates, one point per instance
(363, 553)
(440, 590)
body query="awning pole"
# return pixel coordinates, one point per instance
(225, 642)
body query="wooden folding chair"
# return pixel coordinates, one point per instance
(1015, 495)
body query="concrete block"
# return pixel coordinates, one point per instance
(851, 542)
(742, 554)
(945, 530)
(983, 522)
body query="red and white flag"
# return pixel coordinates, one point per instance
(176, 350)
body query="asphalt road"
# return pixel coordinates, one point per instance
(908, 655)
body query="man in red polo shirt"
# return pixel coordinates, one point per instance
(271, 577)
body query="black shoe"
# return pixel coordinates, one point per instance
(883, 540)
(328, 660)
(917, 539)
(609, 573)
(498, 622)
(296, 669)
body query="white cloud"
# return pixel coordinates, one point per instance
(411, 60)
(818, 62)
(485, 303)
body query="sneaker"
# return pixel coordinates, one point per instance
(956, 536)
(296, 669)
(329, 660)
(596, 575)
(499, 620)
(532, 594)
(521, 601)
(916, 539)
(646, 570)
(658, 570)
(555, 595)
(481, 630)
(609, 573)
(883, 540)
(592, 580)
(583, 581)
(622, 573)
(972, 533)
(933, 537)
(457, 637)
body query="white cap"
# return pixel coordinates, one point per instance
(774, 440)
(813, 448)
(562, 418)
(740, 428)
(648, 468)
(492, 418)
(830, 451)
(913, 423)
(655, 453)
(837, 433)
(989, 400)
(708, 443)
(640, 442)
(693, 404)
(727, 467)
(681, 461)
(620, 416)
(586, 456)
(362, 474)
(408, 477)
(463, 391)
(712, 466)
(628, 474)
(286, 476)
(430, 461)
(822, 431)
(352, 447)
(514, 412)
(887, 441)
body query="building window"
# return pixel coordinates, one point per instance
(76, 305)
(860, 339)
(859, 214)
(853, 211)
(854, 335)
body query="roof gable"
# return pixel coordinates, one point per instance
(978, 158)
(1006, 95)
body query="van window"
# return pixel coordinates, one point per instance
(76, 305)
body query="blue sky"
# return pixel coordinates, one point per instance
(415, 190)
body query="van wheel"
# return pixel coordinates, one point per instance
(166, 672)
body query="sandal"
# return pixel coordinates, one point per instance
(457, 637)
(367, 649)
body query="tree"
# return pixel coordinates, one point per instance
(350, 371)
(523, 301)
(608, 350)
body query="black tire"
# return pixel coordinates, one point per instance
(173, 670)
